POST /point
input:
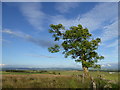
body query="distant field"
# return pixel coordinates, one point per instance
(56, 79)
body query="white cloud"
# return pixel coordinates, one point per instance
(102, 65)
(3, 40)
(2, 64)
(109, 65)
(110, 32)
(65, 7)
(93, 19)
(39, 42)
(16, 33)
(39, 56)
(66, 22)
(113, 44)
(100, 17)
(33, 13)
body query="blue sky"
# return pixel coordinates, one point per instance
(25, 31)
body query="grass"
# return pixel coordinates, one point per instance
(41, 81)
(56, 79)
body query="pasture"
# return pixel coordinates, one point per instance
(57, 79)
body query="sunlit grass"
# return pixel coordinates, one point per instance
(55, 79)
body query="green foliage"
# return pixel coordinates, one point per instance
(78, 43)
(54, 49)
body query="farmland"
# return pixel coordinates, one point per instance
(57, 79)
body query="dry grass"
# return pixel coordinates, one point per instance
(64, 80)
(41, 81)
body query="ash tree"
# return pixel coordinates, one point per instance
(78, 43)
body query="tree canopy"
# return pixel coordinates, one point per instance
(78, 43)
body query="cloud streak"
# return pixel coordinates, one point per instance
(110, 66)
(39, 42)
(40, 56)
(2, 64)
(110, 31)
(93, 19)
(33, 14)
(113, 44)
(66, 7)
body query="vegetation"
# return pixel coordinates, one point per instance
(57, 79)
(78, 43)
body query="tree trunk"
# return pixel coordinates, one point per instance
(86, 75)
(85, 72)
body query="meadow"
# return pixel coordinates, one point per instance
(57, 79)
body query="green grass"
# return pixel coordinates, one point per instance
(55, 79)
(22, 73)
(74, 72)
(4, 72)
(41, 82)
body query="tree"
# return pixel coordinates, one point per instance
(78, 43)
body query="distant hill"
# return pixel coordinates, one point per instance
(20, 67)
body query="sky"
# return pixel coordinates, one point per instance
(25, 37)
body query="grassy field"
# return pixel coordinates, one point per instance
(57, 79)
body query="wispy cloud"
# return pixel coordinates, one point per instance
(3, 40)
(101, 13)
(16, 33)
(39, 42)
(2, 64)
(64, 7)
(110, 65)
(93, 19)
(107, 65)
(33, 14)
(40, 56)
(113, 44)
(98, 18)
(110, 32)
